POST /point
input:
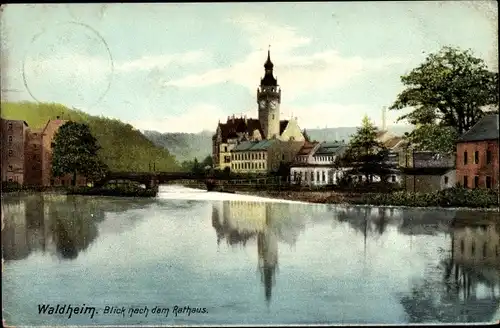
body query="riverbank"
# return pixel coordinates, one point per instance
(120, 191)
(451, 198)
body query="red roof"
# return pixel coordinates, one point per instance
(307, 148)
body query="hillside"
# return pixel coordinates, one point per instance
(185, 146)
(123, 147)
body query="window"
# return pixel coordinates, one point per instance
(476, 157)
(10, 139)
(445, 180)
(485, 250)
(225, 149)
(273, 116)
(466, 181)
(465, 158)
(476, 181)
(488, 157)
(11, 168)
(462, 246)
(282, 157)
(473, 248)
(10, 152)
(312, 176)
(323, 176)
(10, 180)
(488, 182)
(393, 178)
(10, 126)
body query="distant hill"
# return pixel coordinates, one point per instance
(124, 148)
(185, 146)
(344, 133)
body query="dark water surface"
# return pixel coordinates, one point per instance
(239, 260)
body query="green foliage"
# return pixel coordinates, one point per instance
(433, 137)
(123, 148)
(447, 91)
(452, 197)
(365, 155)
(75, 151)
(197, 167)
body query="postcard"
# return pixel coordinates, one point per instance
(229, 164)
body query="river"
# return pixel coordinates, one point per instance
(196, 257)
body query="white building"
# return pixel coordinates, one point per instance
(314, 164)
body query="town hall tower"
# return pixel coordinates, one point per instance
(269, 99)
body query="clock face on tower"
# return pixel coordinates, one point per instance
(262, 103)
(274, 103)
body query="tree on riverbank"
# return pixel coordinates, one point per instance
(75, 152)
(448, 94)
(365, 155)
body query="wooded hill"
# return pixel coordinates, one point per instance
(124, 148)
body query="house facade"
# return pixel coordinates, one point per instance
(314, 164)
(478, 154)
(268, 125)
(262, 157)
(14, 138)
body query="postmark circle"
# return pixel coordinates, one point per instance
(70, 63)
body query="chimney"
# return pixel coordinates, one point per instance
(384, 124)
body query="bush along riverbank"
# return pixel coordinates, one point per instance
(453, 197)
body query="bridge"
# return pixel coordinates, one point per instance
(153, 179)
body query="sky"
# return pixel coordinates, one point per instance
(182, 67)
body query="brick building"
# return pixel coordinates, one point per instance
(26, 154)
(14, 138)
(477, 154)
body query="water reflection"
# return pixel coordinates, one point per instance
(269, 224)
(64, 225)
(465, 287)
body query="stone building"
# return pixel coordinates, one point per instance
(262, 157)
(477, 154)
(268, 126)
(14, 138)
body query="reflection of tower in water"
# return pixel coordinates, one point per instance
(267, 249)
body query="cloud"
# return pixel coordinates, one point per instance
(195, 119)
(147, 63)
(297, 74)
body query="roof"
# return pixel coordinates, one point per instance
(390, 143)
(17, 121)
(254, 145)
(329, 148)
(307, 148)
(234, 126)
(485, 129)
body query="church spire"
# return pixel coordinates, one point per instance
(269, 64)
(269, 79)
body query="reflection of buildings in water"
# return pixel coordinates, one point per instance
(47, 224)
(469, 288)
(476, 255)
(241, 221)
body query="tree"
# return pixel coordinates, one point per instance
(306, 136)
(365, 155)
(208, 161)
(75, 152)
(447, 95)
